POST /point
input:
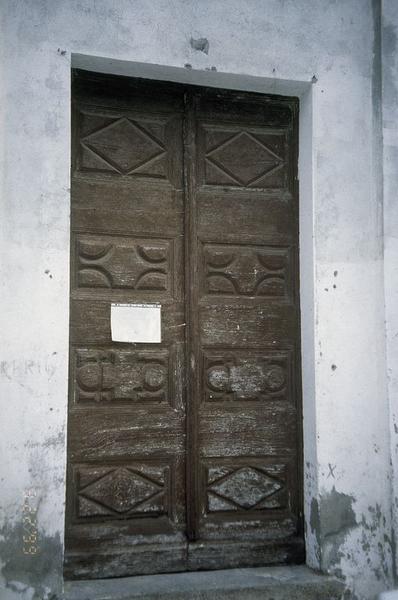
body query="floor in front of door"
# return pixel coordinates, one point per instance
(276, 583)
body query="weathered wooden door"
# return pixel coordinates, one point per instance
(185, 454)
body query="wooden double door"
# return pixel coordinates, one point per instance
(183, 454)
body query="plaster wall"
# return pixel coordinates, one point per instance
(329, 53)
(390, 186)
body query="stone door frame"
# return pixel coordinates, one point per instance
(302, 90)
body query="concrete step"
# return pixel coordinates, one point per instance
(268, 583)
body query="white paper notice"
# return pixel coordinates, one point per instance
(136, 323)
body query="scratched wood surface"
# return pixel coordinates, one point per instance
(246, 328)
(186, 454)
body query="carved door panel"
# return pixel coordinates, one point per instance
(245, 331)
(126, 509)
(185, 454)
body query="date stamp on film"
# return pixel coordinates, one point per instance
(30, 541)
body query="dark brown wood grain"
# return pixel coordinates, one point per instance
(186, 454)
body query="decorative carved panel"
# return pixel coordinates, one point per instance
(244, 270)
(121, 491)
(245, 487)
(123, 146)
(124, 263)
(122, 376)
(244, 158)
(236, 375)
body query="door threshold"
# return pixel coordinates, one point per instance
(276, 583)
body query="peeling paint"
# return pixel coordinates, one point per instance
(331, 520)
(337, 513)
(373, 524)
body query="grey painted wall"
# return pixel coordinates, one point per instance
(338, 56)
(390, 186)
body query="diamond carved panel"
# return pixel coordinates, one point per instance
(246, 487)
(124, 146)
(244, 159)
(120, 491)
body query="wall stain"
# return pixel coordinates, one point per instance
(390, 43)
(200, 44)
(377, 119)
(38, 573)
(337, 514)
(331, 520)
(316, 527)
(53, 441)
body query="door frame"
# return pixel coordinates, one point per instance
(304, 91)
